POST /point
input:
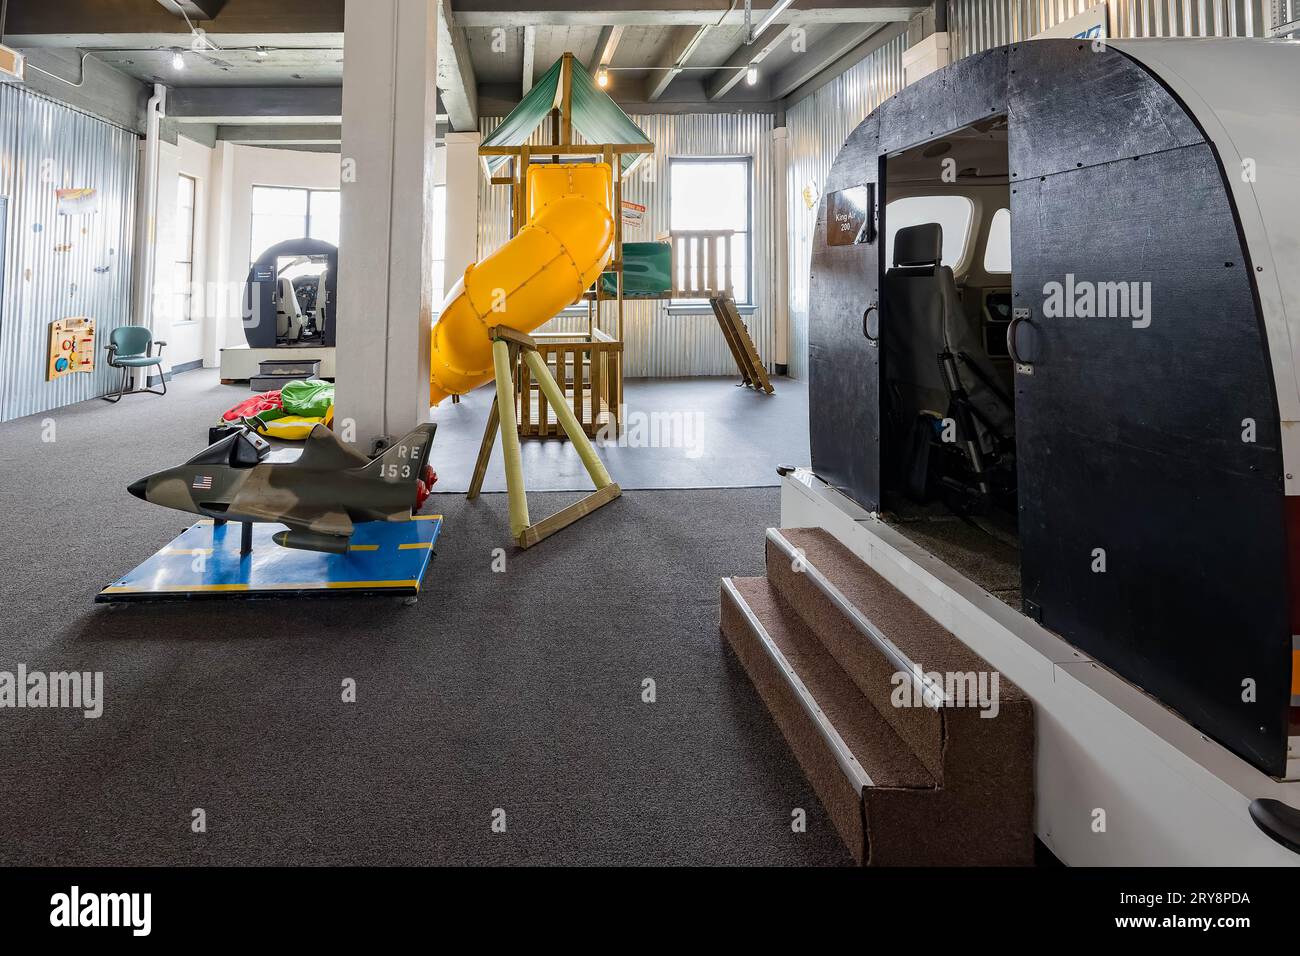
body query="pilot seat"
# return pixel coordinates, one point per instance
(951, 419)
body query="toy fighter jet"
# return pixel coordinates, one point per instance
(318, 496)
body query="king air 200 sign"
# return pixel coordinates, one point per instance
(850, 216)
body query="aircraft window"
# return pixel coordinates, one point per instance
(952, 213)
(997, 252)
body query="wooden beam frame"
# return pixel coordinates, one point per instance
(508, 347)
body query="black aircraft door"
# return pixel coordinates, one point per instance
(844, 327)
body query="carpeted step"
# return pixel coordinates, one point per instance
(876, 632)
(842, 743)
(971, 729)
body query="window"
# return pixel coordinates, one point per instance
(997, 251)
(952, 213)
(183, 270)
(708, 193)
(439, 245)
(283, 213)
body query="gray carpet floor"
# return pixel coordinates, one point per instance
(519, 690)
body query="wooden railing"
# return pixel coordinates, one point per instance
(701, 263)
(589, 370)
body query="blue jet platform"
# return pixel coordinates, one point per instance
(385, 557)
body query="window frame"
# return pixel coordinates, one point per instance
(185, 295)
(747, 161)
(988, 244)
(253, 254)
(440, 263)
(967, 258)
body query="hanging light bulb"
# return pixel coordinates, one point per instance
(602, 77)
(178, 60)
(751, 74)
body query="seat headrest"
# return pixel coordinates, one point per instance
(919, 245)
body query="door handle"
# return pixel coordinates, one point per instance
(866, 329)
(1018, 316)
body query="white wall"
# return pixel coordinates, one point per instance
(185, 340)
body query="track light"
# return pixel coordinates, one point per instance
(751, 74)
(178, 60)
(602, 77)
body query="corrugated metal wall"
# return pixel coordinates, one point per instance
(60, 266)
(659, 342)
(1286, 17)
(818, 127)
(980, 24)
(819, 124)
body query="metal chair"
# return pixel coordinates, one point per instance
(130, 347)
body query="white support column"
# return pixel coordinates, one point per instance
(144, 292)
(463, 175)
(385, 287)
(224, 290)
(780, 228)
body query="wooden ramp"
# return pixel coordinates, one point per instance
(742, 346)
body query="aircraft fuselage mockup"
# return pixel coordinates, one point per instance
(319, 497)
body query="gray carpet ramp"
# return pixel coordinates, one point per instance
(977, 753)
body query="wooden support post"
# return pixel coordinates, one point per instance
(484, 452)
(508, 346)
(566, 101)
(503, 358)
(525, 159)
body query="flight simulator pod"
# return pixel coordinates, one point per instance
(1168, 443)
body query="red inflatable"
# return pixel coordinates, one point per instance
(268, 401)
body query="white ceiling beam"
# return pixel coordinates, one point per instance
(493, 13)
(242, 105)
(530, 54)
(819, 56)
(681, 45)
(605, 47)
(296, 135)
(456, 81)
(733, 71)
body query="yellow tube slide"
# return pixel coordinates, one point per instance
(556, 256)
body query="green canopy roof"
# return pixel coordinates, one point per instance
(594, 114)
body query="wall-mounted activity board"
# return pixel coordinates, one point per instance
(72, 347)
